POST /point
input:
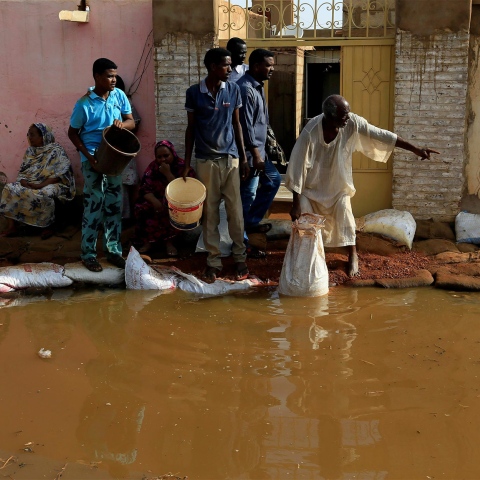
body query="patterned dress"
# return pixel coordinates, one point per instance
(36, 206)
(153, 226)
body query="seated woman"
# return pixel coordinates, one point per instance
(151, 209)
(45, 174)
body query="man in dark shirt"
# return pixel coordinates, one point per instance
(214, 127)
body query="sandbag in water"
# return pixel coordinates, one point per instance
(304, 272)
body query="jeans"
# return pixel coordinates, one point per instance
(258, 192)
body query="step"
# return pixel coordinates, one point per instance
(283, 194)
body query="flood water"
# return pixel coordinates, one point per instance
(361, 384)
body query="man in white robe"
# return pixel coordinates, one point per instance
(320, 169)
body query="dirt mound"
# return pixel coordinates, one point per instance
(452, 279)
(435, 246)
(421, 278)
(431, 229)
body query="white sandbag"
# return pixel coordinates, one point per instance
(38, 275)
(398, 225)
(110, 275)
(139, 276)
(190, 283)
(467, 228)
(304, 271)
(225, 240)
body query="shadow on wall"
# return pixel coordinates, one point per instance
(470, 204)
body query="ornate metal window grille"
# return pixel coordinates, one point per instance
(301, 21)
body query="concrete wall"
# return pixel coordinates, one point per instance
(427, 17)
(46, 67)
(183, 32)
(431, 105)
(195, 17)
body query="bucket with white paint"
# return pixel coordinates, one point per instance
(185, 202)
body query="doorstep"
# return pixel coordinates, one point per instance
(283, 194)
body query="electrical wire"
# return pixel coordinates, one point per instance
(146, 58)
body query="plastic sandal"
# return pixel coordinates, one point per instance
(241, 271)
(92, 264)
(116, 260)
(210, 274)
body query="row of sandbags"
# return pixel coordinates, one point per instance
(137, 276)
(52, 275)
(401, 226)
(304, 271)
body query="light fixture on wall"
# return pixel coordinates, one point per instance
(82, 14)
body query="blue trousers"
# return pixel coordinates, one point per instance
(102, 206)
(258, 192)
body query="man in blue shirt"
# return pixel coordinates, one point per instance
(102, 106)
(214, 127)
(263, 182)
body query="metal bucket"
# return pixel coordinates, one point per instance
(117, 148)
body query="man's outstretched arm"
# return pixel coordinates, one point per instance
(423, 153)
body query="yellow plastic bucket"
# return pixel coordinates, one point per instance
(117, 148)
(185, 202)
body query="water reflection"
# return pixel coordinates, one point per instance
(306, 432)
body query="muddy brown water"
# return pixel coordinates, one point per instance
(361, 384)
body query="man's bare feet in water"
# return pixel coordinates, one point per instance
(352, 261)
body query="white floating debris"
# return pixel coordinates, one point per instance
(45, 353)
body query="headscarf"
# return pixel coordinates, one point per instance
(155, 182)
(169, 145)
(48, 161)
(47, 133)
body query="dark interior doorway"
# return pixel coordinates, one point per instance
(323, 79)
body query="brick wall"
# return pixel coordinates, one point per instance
(178, 64)
(430, 110)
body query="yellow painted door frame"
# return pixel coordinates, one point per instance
(367, 81)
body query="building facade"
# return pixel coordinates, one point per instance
(409, 66)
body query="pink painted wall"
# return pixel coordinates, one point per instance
(46, 65)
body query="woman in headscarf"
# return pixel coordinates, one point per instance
(151, 209)
(45, 174)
